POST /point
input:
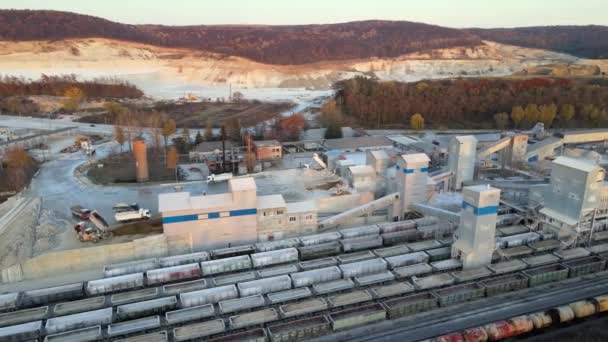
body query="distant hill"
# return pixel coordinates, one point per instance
(300, 44)
(581, 41)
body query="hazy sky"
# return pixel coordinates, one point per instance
(453, 13)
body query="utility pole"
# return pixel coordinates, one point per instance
(223, 132)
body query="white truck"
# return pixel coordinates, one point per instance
(222, 177)
(133, 215)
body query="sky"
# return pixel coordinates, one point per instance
(451, 13)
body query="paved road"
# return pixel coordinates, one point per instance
(458, 318)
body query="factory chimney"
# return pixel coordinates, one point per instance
(141, 159)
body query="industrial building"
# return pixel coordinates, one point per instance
(461, 159)
(268, 150)
(237, 217)
(361, 177)
(412, 180)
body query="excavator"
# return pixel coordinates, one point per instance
(86, 234)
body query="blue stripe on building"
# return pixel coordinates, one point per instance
(482, 210)
(424, 169)
(210, 216)
(408, 171)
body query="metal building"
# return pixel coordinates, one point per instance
(378, 159)
(412, 174)
(462, 151)
(474, 241)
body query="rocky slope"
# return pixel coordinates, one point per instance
(140, 63)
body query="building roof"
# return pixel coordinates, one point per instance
(271, 202)
(415, 158)
(210, 146)
(402, 139)
(362, 170)
(184, 201)
(357, 142)
(301, 207)
(551, 141)
(463, 139)
(578, 164)
(379, 154)
(266, 143)
(242, 184)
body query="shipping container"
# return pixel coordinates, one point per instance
(499, 330)
(21, 332)
(354, 257)
(251, 335)
(194, 313)
(240, 304)
(395, 289)
(333, 286)
(114, 284)
(359, 231)
(433, 281)
(253, 318)
(234, 278)
(9, 301)
(510, 282)
(400, 237)
(391, 227)
(230, 252)
(407, 259)
(361, 243)
(319, 239)
(410, 304)
(146, 308)
(349, 298)
(277, 271)
(130, 267)
(134, 296)
(199, 330)
(159, 336)
(472, 274)
(584, 266)
(289, 295)
(173, 273)
(226, 265)
(392, 251)
(459, 293)
(80, 335)
(79, 320)
(276, 257)
(412, 270)
(187, 286)
(319, 263)
(375, 278)
(184, 259)
(208, 296)
(546, 274)
(23, 316)
(52, 294)
(320, 250)
(77, 306)
(303, 329)
(357, 316)
(133, 326)
(264, 286)
(307, 278)
(278, 244)
(438, 254)
(360, 268)
(304, 307)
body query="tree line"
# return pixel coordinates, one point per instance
(474, 103)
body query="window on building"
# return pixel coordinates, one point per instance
(309, 217)
(264, 213)
(292, 219)
(279, 212)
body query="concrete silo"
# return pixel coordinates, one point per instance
(141, 160)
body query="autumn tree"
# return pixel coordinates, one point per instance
(333, 131)
(119, 136)
(292, 126)
(566, 114)
(501, 120)
(417, 121)
(532, 114)
(74, 97)
(169, 128)
(517, 115)
(20, 167)
(238, 97)
(547, 114)
(208, 130)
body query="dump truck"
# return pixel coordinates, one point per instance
(99, 222)
(222, 177)
(133, 215)
(86, 233)
(80, 212)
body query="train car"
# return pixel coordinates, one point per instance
(264, 286)
(391, 227)
(173, 273)
(303, 329)
(237, 263)
(133, 326)
(274, 245)
(213, 295)
(407, 259)
(183, 259)
(21, 332)
(195, 313)
(395, 238)
(130, 267)
(146, 308)
(114, 284)
(241, 304)
(359, 231)
(360, 268)
(276, 257)
(321, 275)
(9, 301)
(361, 243)
(79, 320)
(320, 250)
(318, 239)
(52, 294)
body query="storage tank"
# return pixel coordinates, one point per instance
(208, 296)
(264, 286)
(320, 275)
(279, 256)
(141, 160)
(226, 265)
(359, 268)
(173, 273)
